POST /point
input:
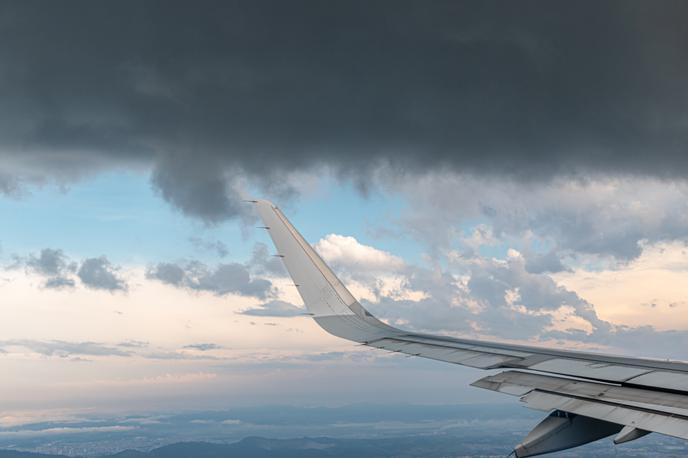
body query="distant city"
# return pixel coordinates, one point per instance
(289, 432)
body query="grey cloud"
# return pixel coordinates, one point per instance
(264, 263)
(604, 217)
(340, 356)
(216, 246)
(275, 308)
(503, 299)
(52, 264)
(508, 299)
(65, 349)
(233, 278)
(491, 282)
(133, 344)
(223, 279)
(99, 273)
(8, 185)
(177, 355)
(203, 346)
(59, 271)
(168, 272)
(547, 262)
(227, 90)
(439, 311)
(59, 283)
(75, 350)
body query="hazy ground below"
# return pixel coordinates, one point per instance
(281, 432)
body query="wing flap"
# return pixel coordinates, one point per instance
(665, 413)
(649, 421)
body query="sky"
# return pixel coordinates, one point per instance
(510, 171)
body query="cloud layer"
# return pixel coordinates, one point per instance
(499, 298)
(605, 217)
(227, 91)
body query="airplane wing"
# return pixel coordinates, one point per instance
(589, 395)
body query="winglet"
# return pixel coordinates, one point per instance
(324, 295)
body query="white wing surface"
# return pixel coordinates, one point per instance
(589, 395)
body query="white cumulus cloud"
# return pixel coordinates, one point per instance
(348, 252)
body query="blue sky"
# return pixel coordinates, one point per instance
(120, 215)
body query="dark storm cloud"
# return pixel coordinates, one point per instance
(223, 279)
(224, 90)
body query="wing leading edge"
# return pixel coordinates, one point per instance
(640, 395)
